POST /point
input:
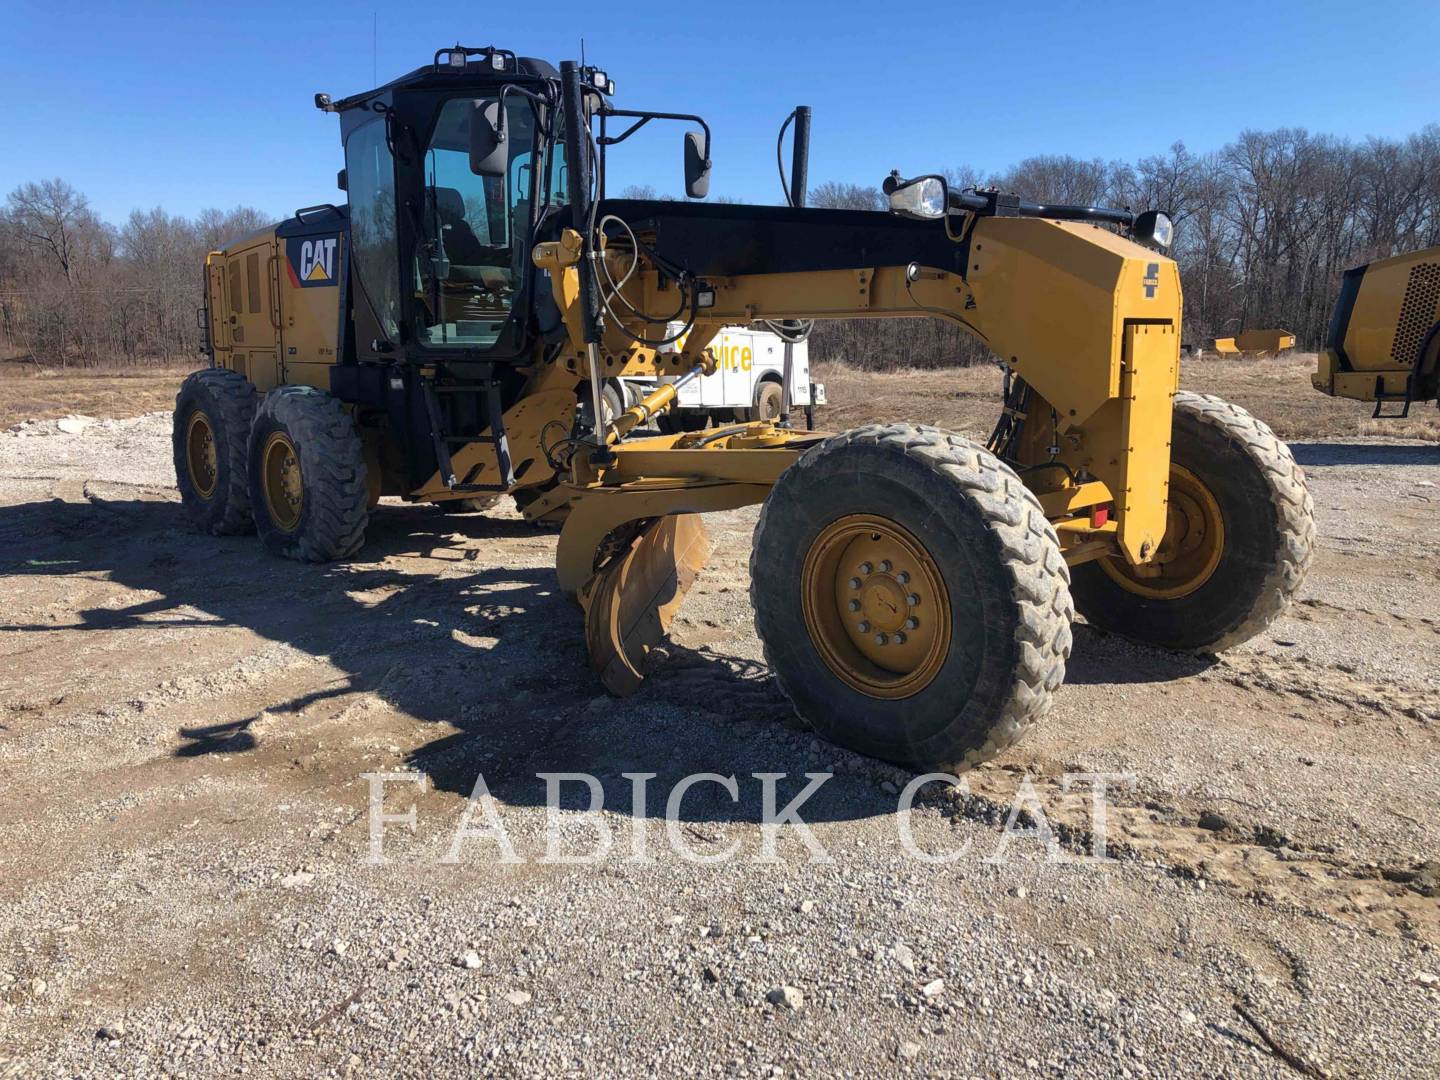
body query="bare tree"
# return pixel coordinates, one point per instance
(1264, 228)
(832, 195)
(53, 218)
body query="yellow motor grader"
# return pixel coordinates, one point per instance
(445, 336)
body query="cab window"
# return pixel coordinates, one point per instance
(371, 172)
(474, 247)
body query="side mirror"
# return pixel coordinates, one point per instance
(342, 180)
(697, 166)
(489, 141)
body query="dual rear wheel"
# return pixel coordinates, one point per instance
(290, 465)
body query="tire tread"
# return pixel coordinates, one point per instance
(1029, 550)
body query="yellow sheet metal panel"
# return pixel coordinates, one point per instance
(1398, 303)
(1360, 385)
(1052, 299)
(1147, 387)
(307, 284)
(1323, 377)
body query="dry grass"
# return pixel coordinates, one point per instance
(104, 392)
(1276, 390)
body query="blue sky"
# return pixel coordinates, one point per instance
(186, 106)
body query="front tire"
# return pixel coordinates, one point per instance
(308, 476)
(911, 596)
(1239, 539)
(213, 412)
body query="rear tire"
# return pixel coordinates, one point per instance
(612, 401)
(932, 525)
(307, 476)
(213, 412)
(769, 402)
(1225, 459)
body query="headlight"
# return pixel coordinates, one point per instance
(925, 198)
(1153, 227)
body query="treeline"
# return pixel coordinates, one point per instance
(1264, 227)
(76, 290)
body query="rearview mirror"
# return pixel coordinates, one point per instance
(489, 140)
(697, 166)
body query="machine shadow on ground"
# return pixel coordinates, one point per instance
(1344, 453)
(496, 653)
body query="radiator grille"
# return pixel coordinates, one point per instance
(1418, 313)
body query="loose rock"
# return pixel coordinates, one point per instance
(788, 997)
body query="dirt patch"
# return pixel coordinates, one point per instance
(184, 876)
(27, 394)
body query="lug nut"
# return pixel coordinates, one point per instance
(884, 566)
(882, 639)
(911, 623)
(854, 583)
(864, 627)
(899, 637)
(854, 605)
(903, 577)
(913, 600)
(866, 568)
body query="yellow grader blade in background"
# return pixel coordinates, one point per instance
(630, 602)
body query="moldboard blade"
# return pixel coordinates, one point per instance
(629, 603)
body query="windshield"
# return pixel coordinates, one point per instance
(474, 249)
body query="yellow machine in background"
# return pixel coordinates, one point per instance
(435, 340)
(1255, 343)
(1383, 344)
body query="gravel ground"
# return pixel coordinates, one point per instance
(184, 884)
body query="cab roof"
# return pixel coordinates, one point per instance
(434, 76)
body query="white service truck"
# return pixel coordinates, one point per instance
(746, 385)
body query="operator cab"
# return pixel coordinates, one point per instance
(442, 251)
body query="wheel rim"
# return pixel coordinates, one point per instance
(284, 486)
(876, 606)
(200, 457)
(1190, 550)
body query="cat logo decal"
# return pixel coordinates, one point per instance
(312, 260)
